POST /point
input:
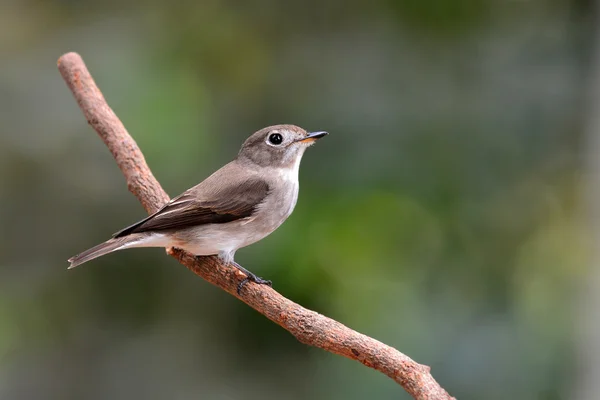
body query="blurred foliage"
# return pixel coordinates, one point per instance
(441, 216)
(442, 17)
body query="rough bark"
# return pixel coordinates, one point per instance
(307, 326)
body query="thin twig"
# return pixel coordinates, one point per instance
(307, 326)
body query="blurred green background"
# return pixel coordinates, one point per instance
(445, 215)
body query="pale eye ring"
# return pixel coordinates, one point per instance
(275, 138)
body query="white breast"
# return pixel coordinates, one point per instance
(289, 176)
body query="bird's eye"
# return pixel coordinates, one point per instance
(275, 138)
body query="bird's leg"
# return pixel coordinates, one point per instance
(249, 277)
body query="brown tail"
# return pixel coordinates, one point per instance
(103, 248)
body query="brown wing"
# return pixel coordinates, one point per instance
(227, 202)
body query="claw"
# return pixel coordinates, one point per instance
(254, 279)
(249, 277)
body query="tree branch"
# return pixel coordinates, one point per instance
(307, 326)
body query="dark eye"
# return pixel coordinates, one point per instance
(275, 138)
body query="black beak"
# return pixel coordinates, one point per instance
(312, 136)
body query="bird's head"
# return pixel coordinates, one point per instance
(280, 146)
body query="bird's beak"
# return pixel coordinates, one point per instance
(311, 137)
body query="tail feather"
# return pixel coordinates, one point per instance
(99, 250)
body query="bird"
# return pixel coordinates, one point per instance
(239, 204)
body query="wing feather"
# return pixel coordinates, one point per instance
(227, 201)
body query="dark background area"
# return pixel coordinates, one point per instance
(443, 215)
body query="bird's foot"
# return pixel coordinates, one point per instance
(249, 277)
(255, 279)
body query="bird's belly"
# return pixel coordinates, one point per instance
(217, 238)
(228, 237)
